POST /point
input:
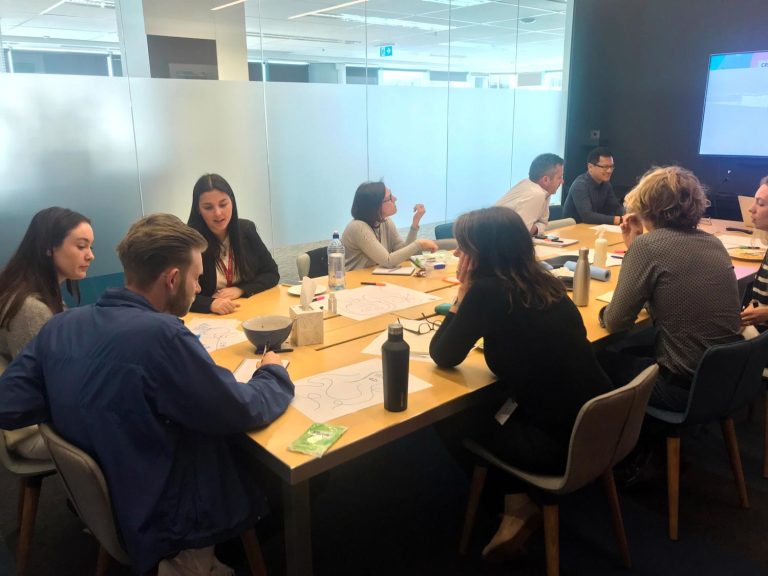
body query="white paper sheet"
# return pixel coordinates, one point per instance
(544, 252)
(216, 333)
(607, 227)
(370, 301)
(328, 395)
(733, 241)
(606, 297)
(396, 271)
(248, 366)
(419, 344)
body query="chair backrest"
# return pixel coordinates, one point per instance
(561, 223)
(313, 263)
(727, 378)
(606, 430)
(88, 491)
(444, 231)
(23, 466)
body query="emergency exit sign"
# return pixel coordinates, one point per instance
(385, 51)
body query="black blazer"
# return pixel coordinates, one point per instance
(263, 277)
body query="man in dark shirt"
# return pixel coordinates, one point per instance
(128, 383)
(590, 198)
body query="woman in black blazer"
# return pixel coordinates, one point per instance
(237, 263)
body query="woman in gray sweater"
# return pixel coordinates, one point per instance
(56, 248)
(372, 239)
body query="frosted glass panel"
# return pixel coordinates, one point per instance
(186, 128)
(480, 148)
(538, 128)
(484, 158)
(67, 141)
(317, 157)
(407, 145)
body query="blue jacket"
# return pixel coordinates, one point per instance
(136, 390)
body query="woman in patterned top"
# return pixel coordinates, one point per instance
(683, 275)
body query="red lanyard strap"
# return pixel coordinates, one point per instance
(229, 269)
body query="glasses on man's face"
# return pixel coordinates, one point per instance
(421, 327)
(606, 167)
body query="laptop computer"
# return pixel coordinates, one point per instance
(745, 203)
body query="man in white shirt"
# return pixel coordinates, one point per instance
(530, 197)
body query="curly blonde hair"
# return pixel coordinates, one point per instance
(668, 197)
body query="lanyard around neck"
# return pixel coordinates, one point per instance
(229, 269)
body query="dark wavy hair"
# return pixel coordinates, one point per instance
(207, 183)
(500, 246)
(31, 269)
(367, 203)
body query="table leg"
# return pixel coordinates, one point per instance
(298, 536)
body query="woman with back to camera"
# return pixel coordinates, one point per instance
(685, 276)
(525, 318)
(372, 239)
(57, 247)
(237, 263)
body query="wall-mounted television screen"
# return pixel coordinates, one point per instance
(736, 105)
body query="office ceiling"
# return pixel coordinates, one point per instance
(486, 36)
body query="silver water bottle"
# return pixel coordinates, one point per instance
(581, 278)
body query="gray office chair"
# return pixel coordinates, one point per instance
(444, 231)
(88, 491)
(31, 474)
(727, 378)
(562, 223)
(313, 263)
(605, 431)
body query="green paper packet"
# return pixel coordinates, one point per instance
(317, 439)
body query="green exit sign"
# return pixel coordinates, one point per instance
(385, 51)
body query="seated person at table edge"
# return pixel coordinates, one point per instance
(685, 277)
(591, 198)
(756, 313)
(56, 248)
(524, 316)
(236, 263)
(128, 383)
(372, 239)
(530, 197)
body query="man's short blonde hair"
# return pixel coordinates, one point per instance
(154, 244)
(668, 197)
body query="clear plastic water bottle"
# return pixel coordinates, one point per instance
(336, 259)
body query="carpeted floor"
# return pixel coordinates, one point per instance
(399, 511)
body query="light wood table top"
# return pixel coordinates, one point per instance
(451, 391)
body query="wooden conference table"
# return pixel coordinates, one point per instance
(452, 391)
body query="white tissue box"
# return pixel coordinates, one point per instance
(307, 326)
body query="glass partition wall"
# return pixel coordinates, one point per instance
(115, 108)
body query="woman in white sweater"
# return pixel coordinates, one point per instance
(56, 248)
(372, 239)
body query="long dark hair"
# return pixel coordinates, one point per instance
(31, 269)
(207, 183)
(500, 246)
(367, 203)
